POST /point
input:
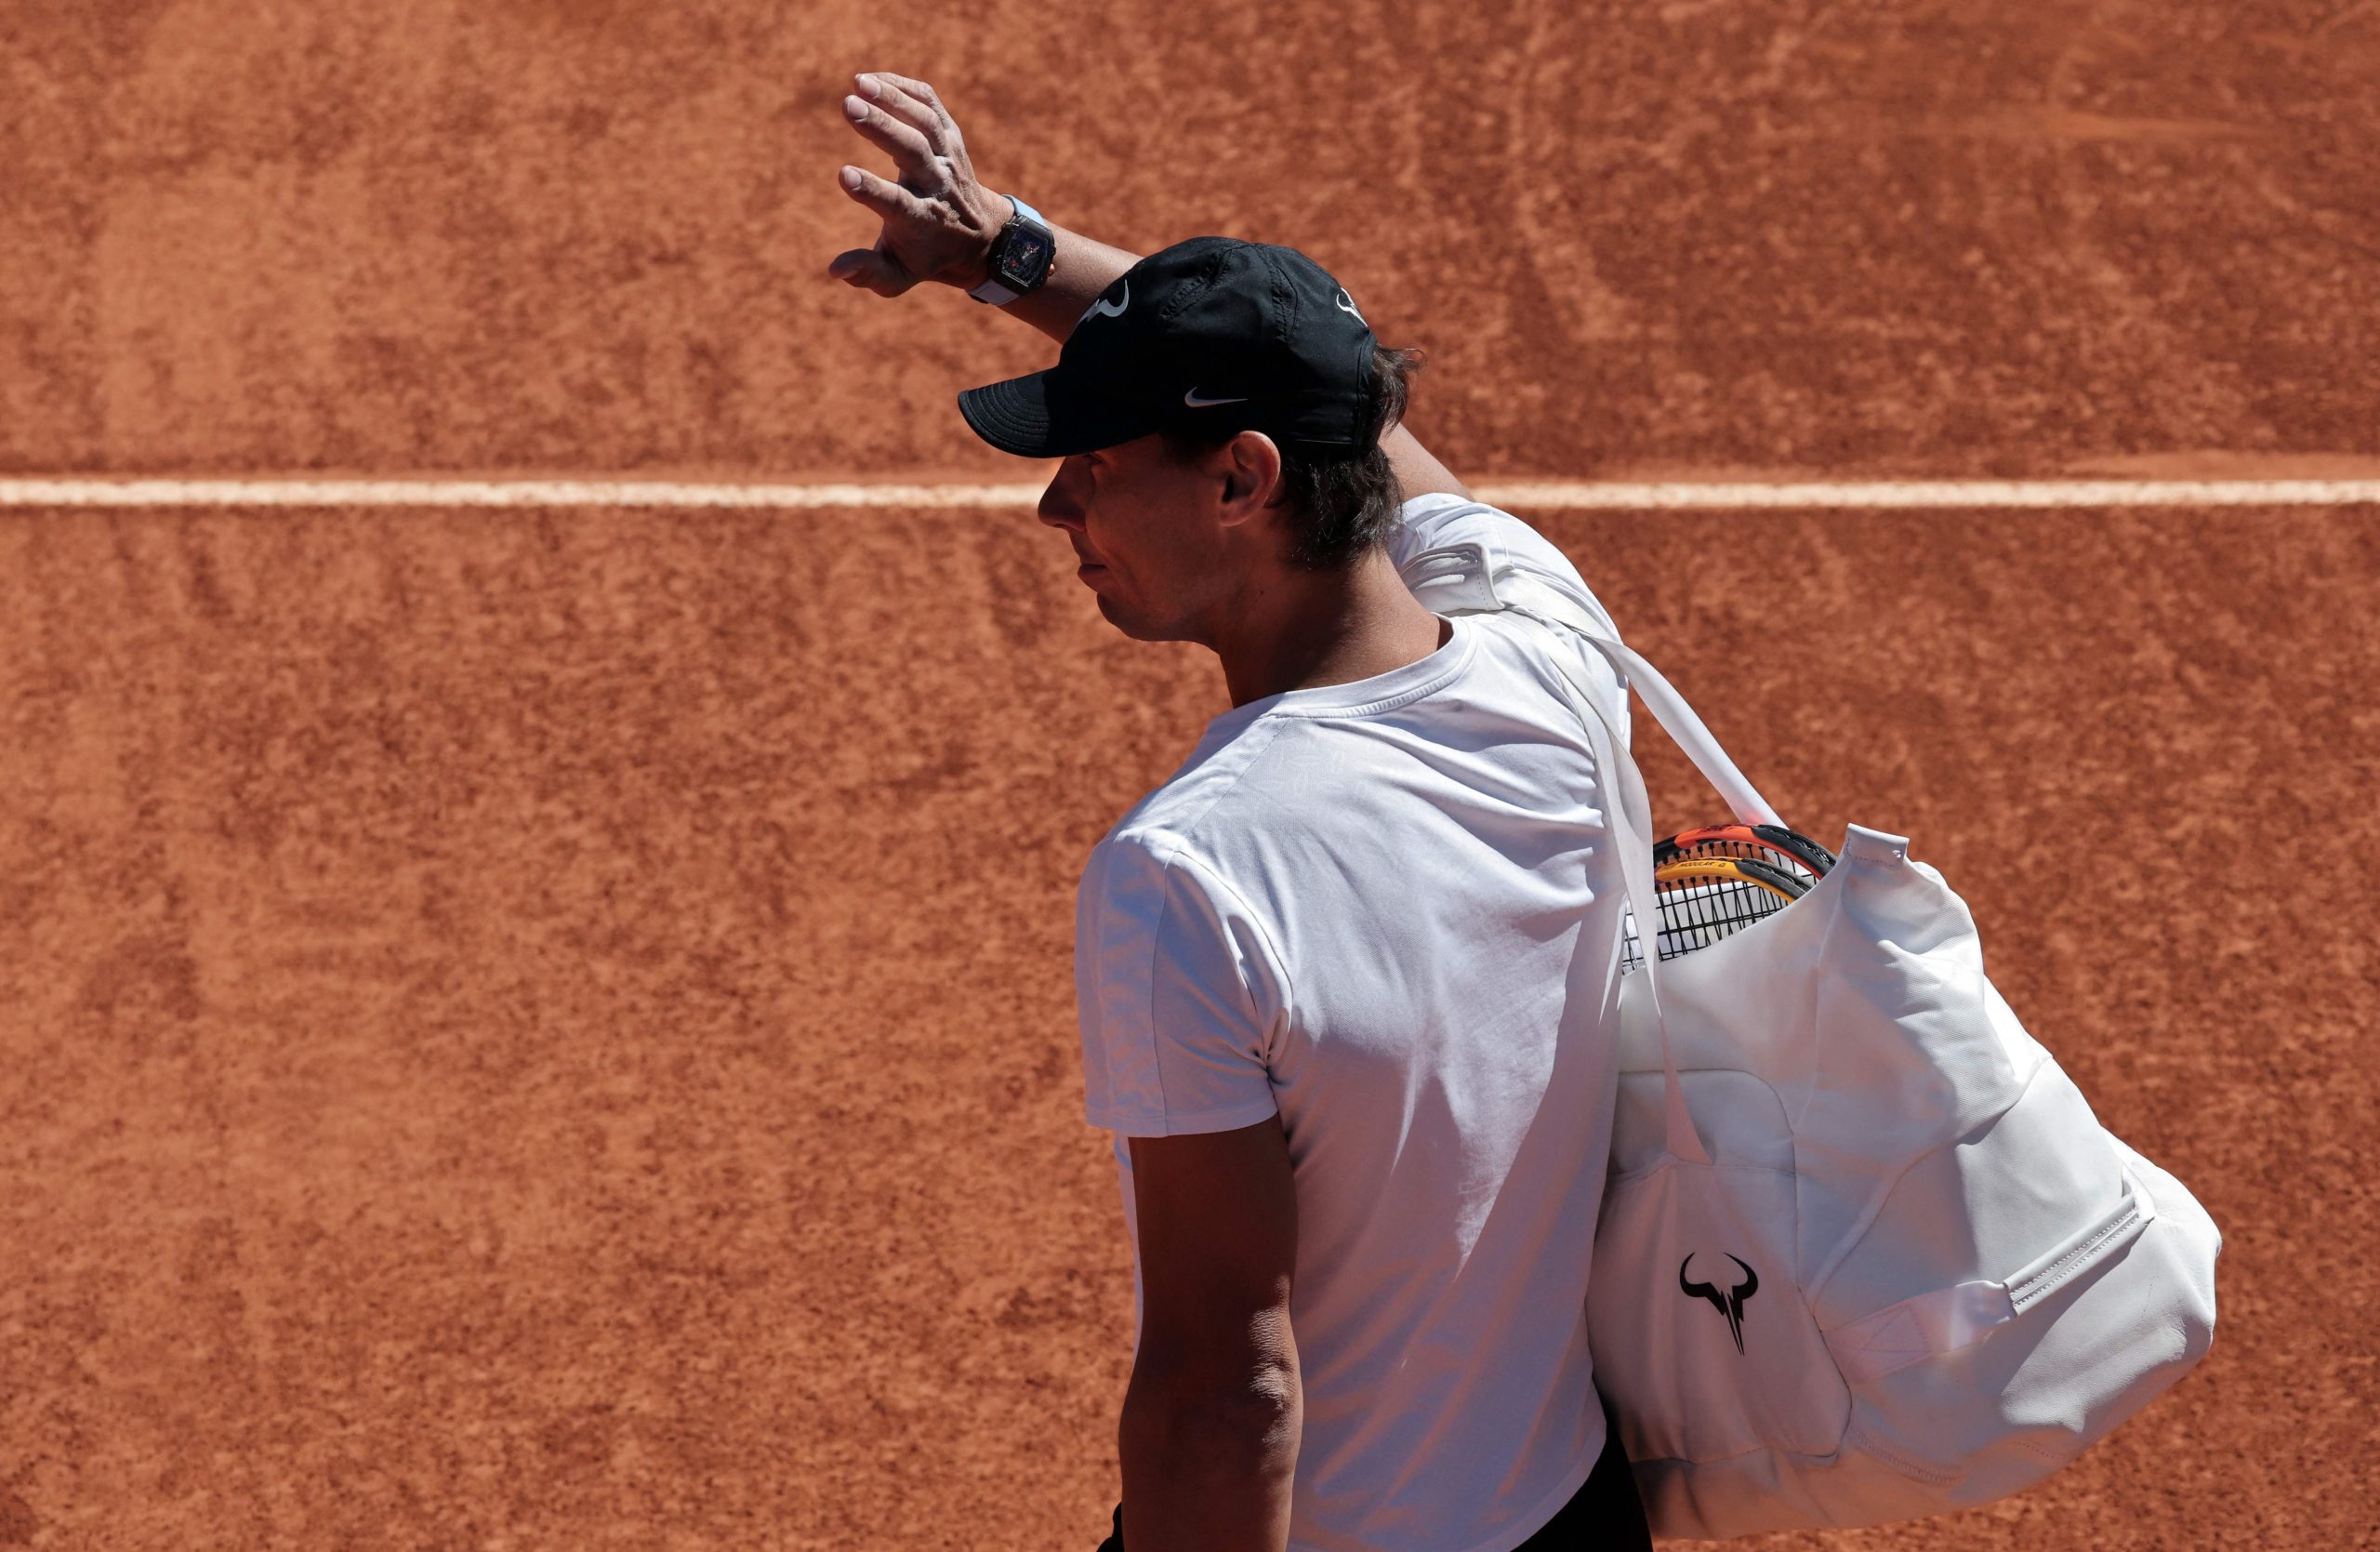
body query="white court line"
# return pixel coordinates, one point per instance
(1904, 495)
(1535, 495)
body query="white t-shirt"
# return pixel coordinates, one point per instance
(1389, 909)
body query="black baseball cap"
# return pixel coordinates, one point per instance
(1211, 334)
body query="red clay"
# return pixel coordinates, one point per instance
(556, 1029)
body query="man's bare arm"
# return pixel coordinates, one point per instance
(940, 220)
(1418, 472)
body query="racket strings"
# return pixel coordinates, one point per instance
(1715, 882)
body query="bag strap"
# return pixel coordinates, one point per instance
(1632, 830)
(1460, 579)
(1519, 594)
(1948, 1318)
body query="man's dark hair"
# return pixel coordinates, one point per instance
(1336, 506)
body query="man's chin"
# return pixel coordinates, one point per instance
(1117, 616)
(1133, 625)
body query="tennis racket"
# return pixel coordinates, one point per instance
(1721, 879)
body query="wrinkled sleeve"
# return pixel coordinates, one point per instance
(1426, 523)
(1178, 993)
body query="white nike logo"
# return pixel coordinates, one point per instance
(1347, 305)
(1195, 402)
(1107, 310)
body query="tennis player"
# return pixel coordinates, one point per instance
(1348, 980)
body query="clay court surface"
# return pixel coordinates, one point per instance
(552, 1027)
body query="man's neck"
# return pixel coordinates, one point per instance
(1306, 630)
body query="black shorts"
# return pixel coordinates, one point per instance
(1604, 1514)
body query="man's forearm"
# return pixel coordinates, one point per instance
(1200, 1479)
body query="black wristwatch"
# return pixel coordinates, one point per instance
(1020, 257)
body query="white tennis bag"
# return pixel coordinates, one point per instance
(1866, 1254)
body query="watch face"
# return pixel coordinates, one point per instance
(1024, 258)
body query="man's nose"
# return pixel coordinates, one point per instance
(1060, 504)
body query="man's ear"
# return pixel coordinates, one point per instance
(1251, 465)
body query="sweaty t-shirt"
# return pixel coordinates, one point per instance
(1389, 910)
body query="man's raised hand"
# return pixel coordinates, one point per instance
(939, 221)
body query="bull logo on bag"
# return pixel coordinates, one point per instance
(1729, 1304)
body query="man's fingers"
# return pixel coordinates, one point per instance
(887, 199)
(915, 87)
(870, 270)
(923, 94)
(906, 145)
(911, 111)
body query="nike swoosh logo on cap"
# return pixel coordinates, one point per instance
(1195, 402)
